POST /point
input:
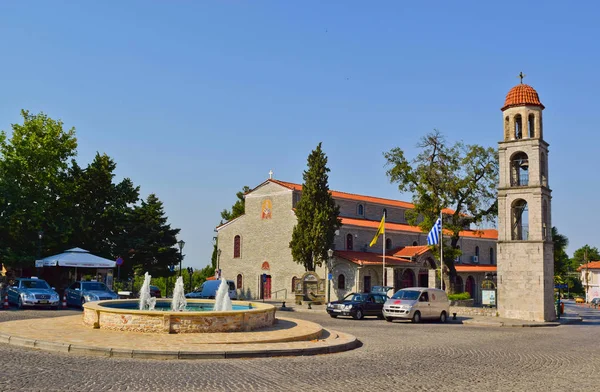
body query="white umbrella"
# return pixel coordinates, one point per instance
(79, 258)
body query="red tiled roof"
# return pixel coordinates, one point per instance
(475, 268)
(410, 251)
(491, 234)
(369, 258)
(352, 196)
(522, 94)
(590, 265)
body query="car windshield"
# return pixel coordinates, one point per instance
(410, 295)
(231, 285)
(355, 297)
(34, 284)
(97, 286)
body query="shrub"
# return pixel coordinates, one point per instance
(459, 296)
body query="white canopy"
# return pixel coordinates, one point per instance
(77, 257)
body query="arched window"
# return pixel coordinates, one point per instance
(506, 128)
(545, 219)
(349, 242)
(408, 279)
(531, 123)
(341, 283)
(520, 220)
(385, 213)
(470, 286)
(519, 169)
(492, 256)
(237, 246)
(361, 210)
(544, 179)
(388, 243)
(240, 282)
(518, 127)
(415, 243)
(457, 260)
(477, 251)
(458, 284)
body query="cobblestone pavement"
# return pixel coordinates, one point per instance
(394, 356)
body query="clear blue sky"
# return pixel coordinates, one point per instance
(194, 100)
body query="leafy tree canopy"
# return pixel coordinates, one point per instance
(561, 259)
(460, 177)
(317, 215)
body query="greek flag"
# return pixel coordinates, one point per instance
(433, 238)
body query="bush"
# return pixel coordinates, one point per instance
(459, 296)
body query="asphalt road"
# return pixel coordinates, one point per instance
(395, 356)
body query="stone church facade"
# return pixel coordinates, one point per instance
(254, 249)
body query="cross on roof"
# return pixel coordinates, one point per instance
(522, 75)
(270, 174)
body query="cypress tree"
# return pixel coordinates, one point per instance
(317, 215)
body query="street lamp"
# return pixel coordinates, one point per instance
(181, 244)
(190, 271)
(329, 271)
(218, 272)
(40, 235)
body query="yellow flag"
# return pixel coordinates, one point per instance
(380, 231)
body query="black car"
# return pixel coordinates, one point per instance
(155, 291)
(358, 305)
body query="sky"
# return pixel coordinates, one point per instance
(196, 99)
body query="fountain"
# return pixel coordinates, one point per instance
(222, 300)
(147, 302)
(179, 302)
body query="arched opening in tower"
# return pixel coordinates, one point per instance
(520, 220)
(519, 167)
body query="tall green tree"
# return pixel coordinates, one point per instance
(585, 254)
(561, 259)
(33, 180)
(152, 239)
(317, 215)
(460, 177)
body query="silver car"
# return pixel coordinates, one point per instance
(32, 292)
(79, 293)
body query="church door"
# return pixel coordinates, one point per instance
(367, 284)
(265, 287)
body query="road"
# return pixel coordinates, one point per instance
(394, 356)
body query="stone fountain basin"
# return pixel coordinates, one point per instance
(97, 315)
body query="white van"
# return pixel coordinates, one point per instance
(416, 304)
(208, 290)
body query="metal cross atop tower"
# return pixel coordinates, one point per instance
(270, 174)
(522, 75)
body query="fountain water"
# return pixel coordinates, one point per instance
(222, 300)
(179, 302)
(147, 302)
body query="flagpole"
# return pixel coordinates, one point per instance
(383, 276)
(441, 252)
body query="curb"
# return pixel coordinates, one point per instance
(348, 342)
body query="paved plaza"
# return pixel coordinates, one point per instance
(394, 356)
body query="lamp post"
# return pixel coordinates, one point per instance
(218, 271)
(329, 272)
(39, 252)
(181, 244)
(190, 271)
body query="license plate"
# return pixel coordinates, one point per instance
(337, 310)
(43, 302)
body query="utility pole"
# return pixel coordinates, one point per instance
(587, 274)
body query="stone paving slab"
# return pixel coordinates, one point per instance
(69, 335)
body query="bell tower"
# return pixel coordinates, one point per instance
(525, 251)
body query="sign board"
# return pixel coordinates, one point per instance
(329, 276)
(561, 286)
(39, 263)
(264, 278)
(488, 297)
(119, 261)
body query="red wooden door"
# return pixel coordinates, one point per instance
(266, 288)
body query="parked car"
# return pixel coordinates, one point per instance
(595, 301)
(32, 292)
(579, 300)
(79, 293)
(358, 305)
(155, 292)
(416, 304)
(382, 290)
(208, 290)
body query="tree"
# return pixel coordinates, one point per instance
(153, 239)
(238, 207)
(461, 177)
(33, 178)
(585, 254)
(317, 215)
(561, 259)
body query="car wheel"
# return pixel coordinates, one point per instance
(82, 301)
(333, 315)
(389, 319)
(359, 314)
(19, 303)
(416, 317)
(443, 317)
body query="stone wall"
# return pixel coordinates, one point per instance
(473, 311)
